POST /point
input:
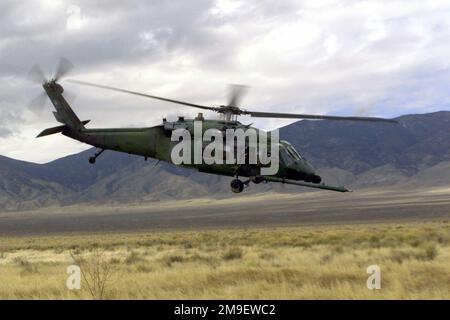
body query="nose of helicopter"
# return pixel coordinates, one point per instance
(306, 172)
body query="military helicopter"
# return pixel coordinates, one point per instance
(155, 142)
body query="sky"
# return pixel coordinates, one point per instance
(369, 58)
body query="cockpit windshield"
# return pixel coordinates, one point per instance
(288, 154)
(293, 153)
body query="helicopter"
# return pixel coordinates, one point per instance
(155, 142)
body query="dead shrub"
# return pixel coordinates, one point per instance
(97, 273)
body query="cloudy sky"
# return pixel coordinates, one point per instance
(377, 58)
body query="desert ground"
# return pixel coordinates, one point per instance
(307, 246)
(315, 262)
(267, 209)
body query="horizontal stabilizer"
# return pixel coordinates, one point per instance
(50, 131)
(57, 129)
(307, 184)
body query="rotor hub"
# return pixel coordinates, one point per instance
(52, 84)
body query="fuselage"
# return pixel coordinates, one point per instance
(155, 142)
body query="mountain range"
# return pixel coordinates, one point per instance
(413, 153)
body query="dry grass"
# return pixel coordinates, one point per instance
(283, 263)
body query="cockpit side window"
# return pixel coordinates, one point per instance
(294, 153)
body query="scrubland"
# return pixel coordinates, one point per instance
(317, 262)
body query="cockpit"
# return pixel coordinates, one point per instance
(288, 154)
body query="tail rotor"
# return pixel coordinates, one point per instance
(38, 104)
(64, 68)
(37, 75)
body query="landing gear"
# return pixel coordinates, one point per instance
(237, 186)
(96, 155)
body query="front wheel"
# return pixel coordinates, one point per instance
(237, 186)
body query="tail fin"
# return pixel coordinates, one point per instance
(64, 112)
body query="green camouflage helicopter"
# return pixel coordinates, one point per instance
(155, 142)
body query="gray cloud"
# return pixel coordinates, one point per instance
(335, 57)
(8, 122)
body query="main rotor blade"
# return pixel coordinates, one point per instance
(37, 75)
(236, 91)
(63, 68)
(311, 116)
(142, 94)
